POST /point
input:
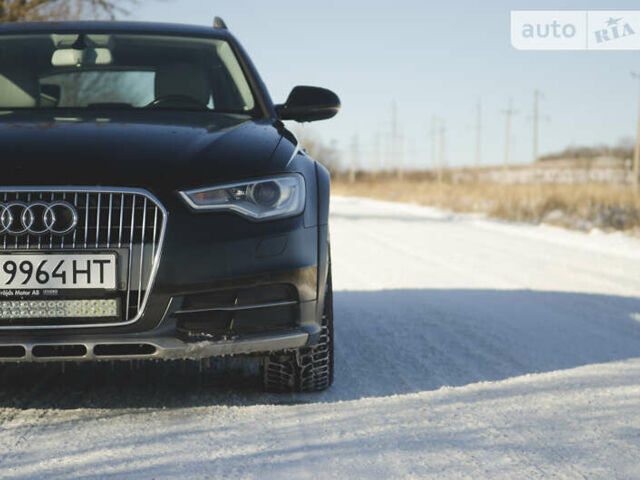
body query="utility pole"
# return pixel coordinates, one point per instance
(396, 154)
(478, 133)
(354, 159)
(334, 163)
(400, 156)
(509, 112)
(441, 152)
(636, 150)
(376, 150)
(433, 135)
(537, 118)
(536, 98)
(394, 133)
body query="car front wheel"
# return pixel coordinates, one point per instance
(307, 369)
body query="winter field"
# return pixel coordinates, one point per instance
(583, 207)
(466, 348)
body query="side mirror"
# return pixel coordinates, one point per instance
(308, 104)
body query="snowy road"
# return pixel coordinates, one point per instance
(465, 348)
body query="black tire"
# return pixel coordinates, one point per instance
(307, 369)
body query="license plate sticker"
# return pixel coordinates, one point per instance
(58, 271)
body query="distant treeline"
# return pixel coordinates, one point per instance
(584, 153)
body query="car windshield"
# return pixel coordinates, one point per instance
(130, 71)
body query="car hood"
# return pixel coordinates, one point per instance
(154, 150)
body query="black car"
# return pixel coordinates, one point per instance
(154, 206)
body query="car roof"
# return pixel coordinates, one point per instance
(113, 27)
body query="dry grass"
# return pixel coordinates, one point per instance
(583, 207)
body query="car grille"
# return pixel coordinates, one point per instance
(130, 220)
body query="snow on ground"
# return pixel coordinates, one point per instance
(465, 348)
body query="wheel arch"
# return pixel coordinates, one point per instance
(323, 180)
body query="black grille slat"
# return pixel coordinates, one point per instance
(143, 228)
(110, 214)
(132, 216)
(107, 219)
(97, 229)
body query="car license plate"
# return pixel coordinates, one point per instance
(58, 271)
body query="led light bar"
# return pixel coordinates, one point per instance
(58, 308)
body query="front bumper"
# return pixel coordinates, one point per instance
(202, 259)
(234, 323)
(145, 347)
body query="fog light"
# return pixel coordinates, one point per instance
(59, 308)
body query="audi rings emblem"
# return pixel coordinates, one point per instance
(37, 218)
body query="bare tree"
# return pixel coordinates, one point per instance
(327, 154)
(34, 10)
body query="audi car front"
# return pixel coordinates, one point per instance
(154, 205)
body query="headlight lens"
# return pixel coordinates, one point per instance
(268, 198)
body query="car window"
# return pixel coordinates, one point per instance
(121, 71)
(84, 89)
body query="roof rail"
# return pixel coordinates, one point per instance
(219, 23)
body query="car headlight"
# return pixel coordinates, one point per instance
(264, 199)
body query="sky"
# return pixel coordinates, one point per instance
(433, 59)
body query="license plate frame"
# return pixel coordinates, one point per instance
(108, 273)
